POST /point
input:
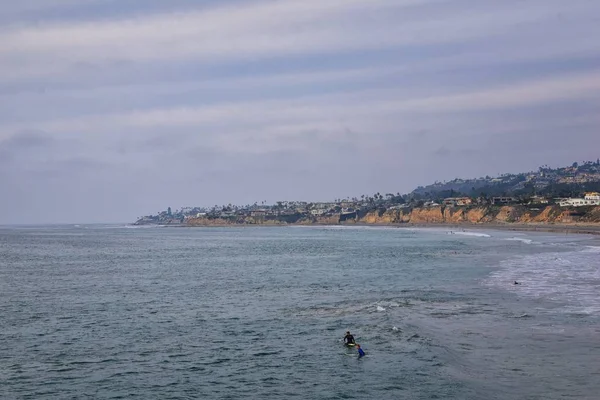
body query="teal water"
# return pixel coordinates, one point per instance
(174, 313)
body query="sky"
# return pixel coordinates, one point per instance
(113, 109)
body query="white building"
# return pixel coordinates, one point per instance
(594, 196)
(590, 199)
(318, 211)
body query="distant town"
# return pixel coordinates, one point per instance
(573, 187)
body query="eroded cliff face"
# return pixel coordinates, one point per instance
(379, 217)
(434, 215)
(592, 216)
(322, 220)
(457, 215)
(431, 215)
(484, 214)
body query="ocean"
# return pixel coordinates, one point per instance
(110, 312)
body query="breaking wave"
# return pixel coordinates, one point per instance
(522, 240)
(571, 279)
(466, 233)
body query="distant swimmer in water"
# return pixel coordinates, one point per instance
(517, 283)
(360, 351)
(349, 339)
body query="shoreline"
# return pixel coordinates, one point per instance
(557, 228)
(553, 228)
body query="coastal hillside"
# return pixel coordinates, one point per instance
(549, 182)
(566, 195)
(430, 215)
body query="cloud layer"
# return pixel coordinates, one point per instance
(109, 110)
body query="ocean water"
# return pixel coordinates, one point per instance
(109, 312)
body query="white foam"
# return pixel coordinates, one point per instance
(379, 308)
(476, 234)
(447, 231)
(568, 278)
(522, 240)
(349, 227)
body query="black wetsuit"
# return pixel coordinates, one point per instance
(349, 339)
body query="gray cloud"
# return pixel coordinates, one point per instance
(123, 110)
(25, 139)
(24, 143)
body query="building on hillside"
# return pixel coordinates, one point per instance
(503, 200)
(401, 206)
(457, 201)
(287, 212)
(538, 200)
(481, 200)
(594, 196)
(318, 211)
(575, 202)
(258, 213)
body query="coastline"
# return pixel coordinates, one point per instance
(551, 218)
(553, 228)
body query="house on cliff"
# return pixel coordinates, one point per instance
(590, 199)
(538, 200)
(594, 196)
(457, 201)
(503, 200)
(258, 213)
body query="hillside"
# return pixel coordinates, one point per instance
(559, 182)
(535, 197)
(430, 215)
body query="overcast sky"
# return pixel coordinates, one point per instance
(112, 109)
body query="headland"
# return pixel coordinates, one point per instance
(562, 199)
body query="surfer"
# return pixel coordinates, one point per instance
(360, 351)
(516, 283)
(349, 339)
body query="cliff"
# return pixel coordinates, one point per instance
(434, 215)
(486, 214)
